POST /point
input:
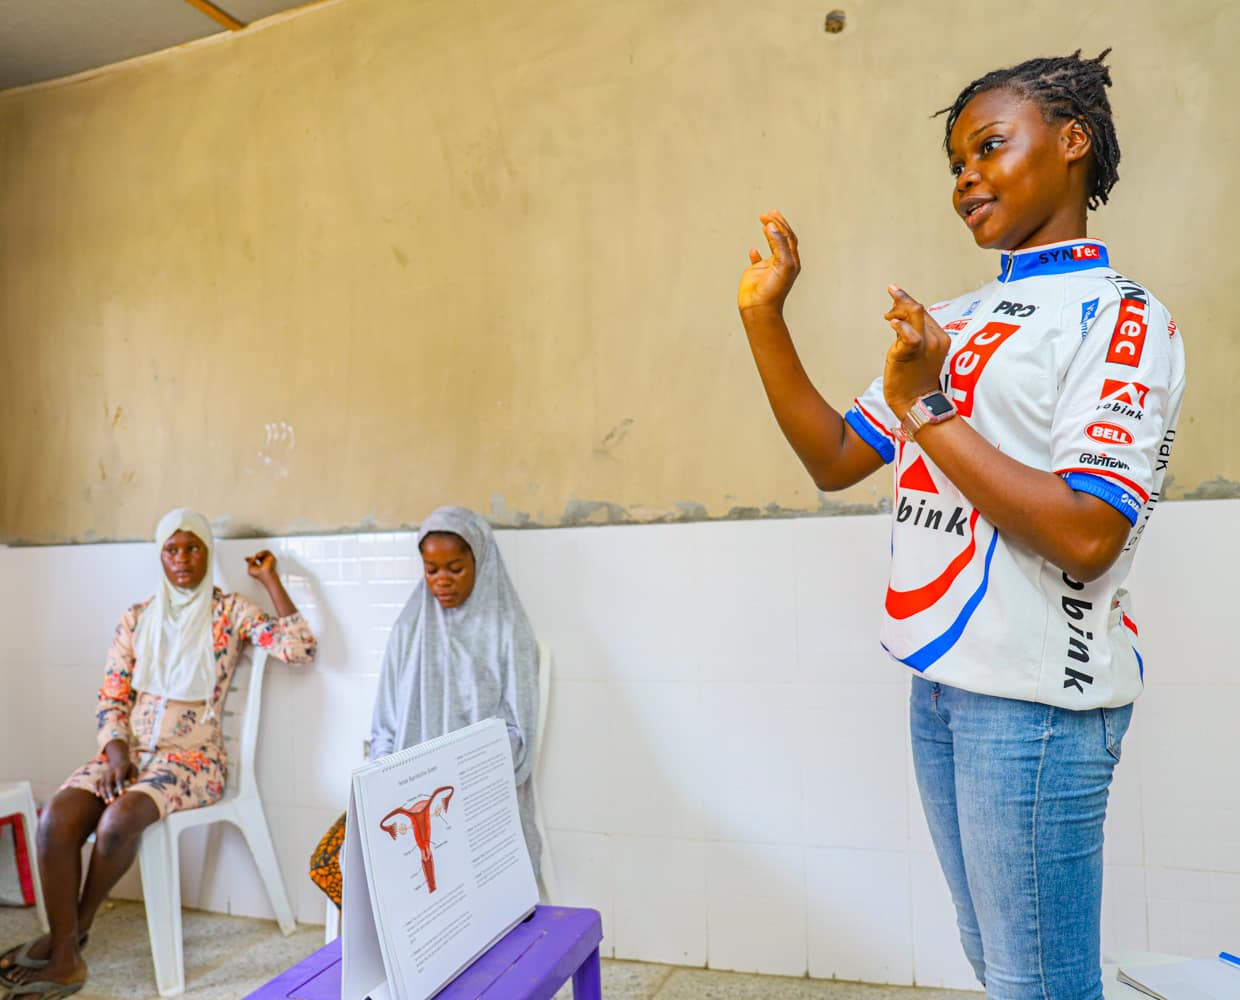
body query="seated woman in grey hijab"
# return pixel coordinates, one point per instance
(461, 651)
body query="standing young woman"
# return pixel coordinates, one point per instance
(1030, 423)
(160, 744)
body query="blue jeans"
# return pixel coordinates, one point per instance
(1015, 794)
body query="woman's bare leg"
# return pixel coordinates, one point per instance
(65, 826)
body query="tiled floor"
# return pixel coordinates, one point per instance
(228, 957)
(225, 957)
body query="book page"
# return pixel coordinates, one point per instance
(446, 861)
(362, 968)
(1200, 979)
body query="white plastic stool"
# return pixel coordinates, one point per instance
(241, 806)
(16, 797)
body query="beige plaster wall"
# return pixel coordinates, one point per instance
(386, 254)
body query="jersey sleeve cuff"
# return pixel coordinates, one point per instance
(1118, 497)
(867, 432)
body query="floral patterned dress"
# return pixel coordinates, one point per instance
(178, 746)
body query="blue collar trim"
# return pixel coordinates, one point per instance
(1056, 258)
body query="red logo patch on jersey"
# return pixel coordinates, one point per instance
(917, 477)
(956, 325)
(1128, 340)
(971, 360)
(1085, 253)
(1108, 433)
(1171, 328)
(1128, 393)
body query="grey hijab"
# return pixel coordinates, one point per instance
(445, 668)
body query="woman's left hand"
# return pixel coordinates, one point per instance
(262, 566)
(915, 361)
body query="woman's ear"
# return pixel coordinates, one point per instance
(1076, 141)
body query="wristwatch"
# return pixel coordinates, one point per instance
(932, 408)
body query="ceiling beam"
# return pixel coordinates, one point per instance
(217, 15)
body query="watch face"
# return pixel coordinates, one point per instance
(938, 404)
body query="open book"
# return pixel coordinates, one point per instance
(1199, 979)
(434, 864)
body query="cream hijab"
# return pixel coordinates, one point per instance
(173, 646)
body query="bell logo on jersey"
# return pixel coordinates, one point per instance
(1128, 339)
(1108, 433)
(1124, 399)
(971, 360)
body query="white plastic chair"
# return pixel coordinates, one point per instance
(331, 923)
(546, 868)
(16, 797)
(241, 806)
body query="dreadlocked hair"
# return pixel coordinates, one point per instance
(1064, 88)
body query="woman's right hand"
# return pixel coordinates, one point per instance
(766, 283)
(120, 771)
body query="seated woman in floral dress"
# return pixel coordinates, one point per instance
(160, 744)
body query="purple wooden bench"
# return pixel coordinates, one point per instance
(531, 962)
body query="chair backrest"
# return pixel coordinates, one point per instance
(544, 699)
(242, 710)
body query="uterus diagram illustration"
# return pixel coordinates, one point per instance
(418, 812)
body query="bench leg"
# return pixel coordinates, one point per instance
(588, 979)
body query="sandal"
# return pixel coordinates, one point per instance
(19, 958)
(47, 990)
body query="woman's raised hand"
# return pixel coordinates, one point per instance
(261, 566)
(915, 360)
(766, 283)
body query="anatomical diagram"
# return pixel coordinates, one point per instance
(418, 812)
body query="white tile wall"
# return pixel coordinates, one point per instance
(661, 896)
(860, 915)
(754, 785)
(587, 872)
(938, 959)
(1125, 910)
(756, 907)
(856, 744)
(727, 776)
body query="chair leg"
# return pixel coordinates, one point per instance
(30, 822)
(161, 892)
(253, 824)
(546, 868)
(331, 923)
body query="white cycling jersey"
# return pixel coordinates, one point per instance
(1069, 367)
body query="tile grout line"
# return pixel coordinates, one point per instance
(662, 982)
